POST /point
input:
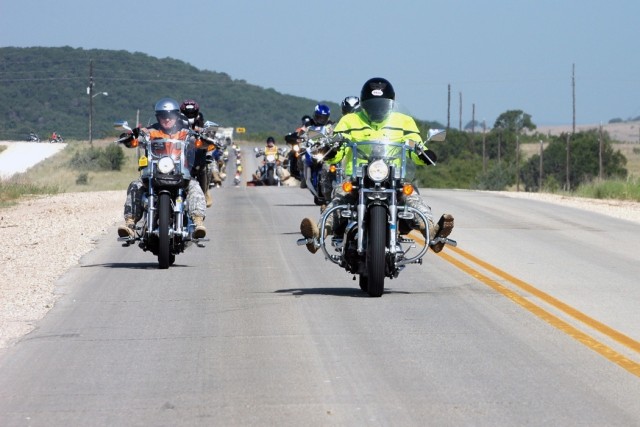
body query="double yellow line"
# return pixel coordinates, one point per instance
(606, 351)
(597, 346)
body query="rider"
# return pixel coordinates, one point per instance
(322, 123)
(321, 119)
(271, 149)
(350, 104)
(191, 111)
(169, 125)
(376, 120)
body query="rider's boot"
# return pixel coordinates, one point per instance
(128, 229)
(201, 231)
(208, 198)
(309, 230)
(442, 229)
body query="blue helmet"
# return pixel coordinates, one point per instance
(321, 114)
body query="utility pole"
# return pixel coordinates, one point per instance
(90, 93)
(541, 167)
(484, 147)
(568, 183)
(517, 163)
(448, 106)
(573, 90)
(600, 171)
(460, 114)
(473, 119)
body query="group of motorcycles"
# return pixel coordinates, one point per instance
(376, 241)
(55, 137)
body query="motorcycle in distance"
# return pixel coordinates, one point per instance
(165, 228)
(269, 168)
(56, 137)
(33, 137)
(375, 243)
(316, 146)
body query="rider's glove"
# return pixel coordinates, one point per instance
(429, 157)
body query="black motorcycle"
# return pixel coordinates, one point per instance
(165, 166)
(375, 243)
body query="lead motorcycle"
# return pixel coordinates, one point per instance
(165, 164)
(375, 243)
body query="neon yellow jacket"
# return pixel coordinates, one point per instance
(396, 128)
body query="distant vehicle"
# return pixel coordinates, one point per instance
(56, 137)
(33, 137)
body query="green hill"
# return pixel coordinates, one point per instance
(45, 90)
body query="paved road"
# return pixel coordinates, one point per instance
(20, 156)
(253, 330)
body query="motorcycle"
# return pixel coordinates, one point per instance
(33, 137)
(293, 156)
(375, 243)
(270, 164)
(317, 145)
(165, 166)
(201, 169)
(56, 137)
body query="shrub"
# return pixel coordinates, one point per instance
(98, 159)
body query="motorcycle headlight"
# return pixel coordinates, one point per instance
(378, 170)
(165, 165)
(271, 158)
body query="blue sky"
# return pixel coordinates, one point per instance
(500, 55)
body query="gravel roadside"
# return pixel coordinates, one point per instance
(45, 236)
(41, 239)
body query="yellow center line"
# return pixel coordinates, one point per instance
(609, 353)
(606, 351)
(606, 330)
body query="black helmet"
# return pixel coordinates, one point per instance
(350, 104)
(270, 139)
(190, 108)
(376, 98)
(167, 107)
(306, 120)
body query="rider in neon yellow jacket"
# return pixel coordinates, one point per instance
(376, 120)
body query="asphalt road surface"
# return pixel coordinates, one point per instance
(532, 320)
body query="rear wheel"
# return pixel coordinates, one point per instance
(377, 241)
(271, 180)
(164, 215)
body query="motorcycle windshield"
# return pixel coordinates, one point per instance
(394, 154)
(182, 153)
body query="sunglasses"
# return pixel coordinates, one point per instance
(166, 115)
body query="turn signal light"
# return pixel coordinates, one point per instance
(407, 189)
(332, 168)
(198, 143)
(134, 142)
(347, 186)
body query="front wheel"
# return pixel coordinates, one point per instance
(164, 216)
(377, 243)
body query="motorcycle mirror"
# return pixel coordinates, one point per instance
(122, 125)
(211, 127)
(256, 149)
(436, 135)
